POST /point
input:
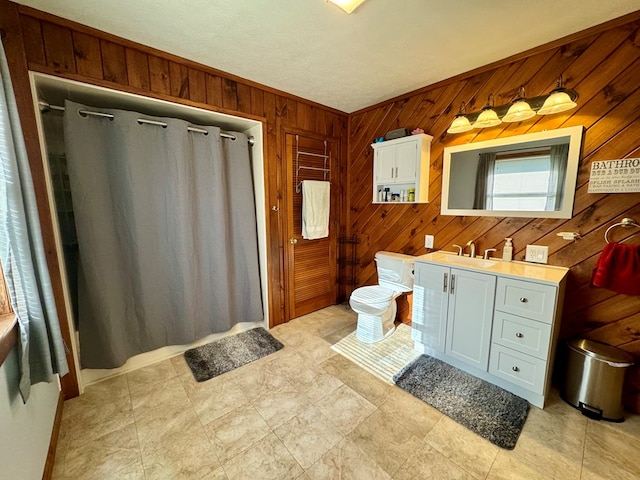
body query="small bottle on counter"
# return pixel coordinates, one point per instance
(380, 196)
(507, 250)
(411, 195)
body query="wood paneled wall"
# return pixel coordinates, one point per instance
(603, 66)
(48, 44)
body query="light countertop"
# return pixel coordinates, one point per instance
(523, 270)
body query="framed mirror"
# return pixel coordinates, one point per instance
(532, 175)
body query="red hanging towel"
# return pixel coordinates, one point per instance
(618, 269)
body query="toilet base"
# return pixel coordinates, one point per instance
(375, 328)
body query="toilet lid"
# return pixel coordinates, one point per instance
(372, 294)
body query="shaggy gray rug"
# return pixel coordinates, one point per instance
(486, 409)
(228, 353)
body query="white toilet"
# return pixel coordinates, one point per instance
(376, 305)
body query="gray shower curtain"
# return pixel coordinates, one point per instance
(166, 229)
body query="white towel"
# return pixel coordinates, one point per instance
(315, 209)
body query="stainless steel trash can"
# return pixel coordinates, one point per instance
(594, 379)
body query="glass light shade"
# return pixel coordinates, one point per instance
(557, 102)
(488, 118)
(460, 124)
(347, 5)
(520, 110)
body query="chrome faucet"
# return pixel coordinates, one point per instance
(487, 251)
(472, 248)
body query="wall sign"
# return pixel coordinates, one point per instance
(615, 176)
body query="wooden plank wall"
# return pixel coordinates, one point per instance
(603, 66)
(63, 48)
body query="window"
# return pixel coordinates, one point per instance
(522, 182)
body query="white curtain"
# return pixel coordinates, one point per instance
(41, 350)
(166, 228)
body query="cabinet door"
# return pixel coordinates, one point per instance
(471, 297)
(430, 300)
(385, 164)
(407, 156)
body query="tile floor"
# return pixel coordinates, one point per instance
(307, 413)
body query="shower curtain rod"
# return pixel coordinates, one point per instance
(45, 107)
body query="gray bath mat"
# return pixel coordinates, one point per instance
(228, 353)
(486, 409)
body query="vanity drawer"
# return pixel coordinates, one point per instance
(521, 334)
(517, 368)
(527, 299)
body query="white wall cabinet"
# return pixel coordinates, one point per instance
(498, 323)
(400, 165)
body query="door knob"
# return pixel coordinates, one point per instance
(293, 241)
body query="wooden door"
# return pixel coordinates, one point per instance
(310, 265)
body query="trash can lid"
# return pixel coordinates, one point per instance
(603, 352)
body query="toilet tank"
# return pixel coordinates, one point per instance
(395, 271)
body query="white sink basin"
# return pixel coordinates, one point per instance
(471, 262)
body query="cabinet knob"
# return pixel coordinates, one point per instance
(524, 299)
(515, 369)
(519, 335)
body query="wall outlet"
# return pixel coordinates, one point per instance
(537, 253)
(428, 241)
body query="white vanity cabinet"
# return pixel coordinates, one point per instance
(498, 322)
(402, 164)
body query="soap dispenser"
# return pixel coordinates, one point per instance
(507, 250)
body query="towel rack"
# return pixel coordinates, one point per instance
(626, 222)
(326, 157)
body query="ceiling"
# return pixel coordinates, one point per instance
(312, 49)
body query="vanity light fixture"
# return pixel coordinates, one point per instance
(519, 109)
(347, 5)
(560, 99)
(488, 117)
(461, 123)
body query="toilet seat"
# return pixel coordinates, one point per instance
(372, 300)
(373, 293)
